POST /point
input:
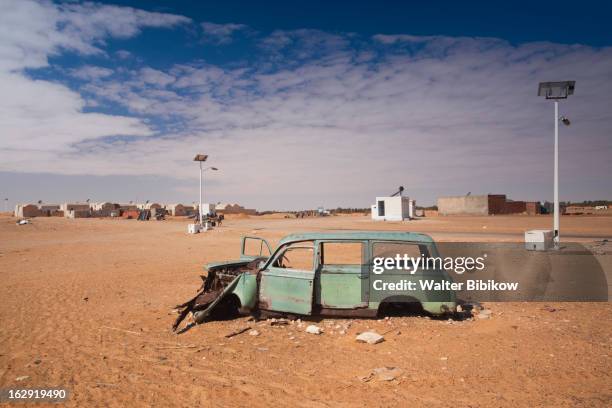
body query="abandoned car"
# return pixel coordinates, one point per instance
(318, 274)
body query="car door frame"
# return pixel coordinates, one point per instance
(251, 257)
(343, 271)
(287, 290)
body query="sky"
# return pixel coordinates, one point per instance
(301, 104)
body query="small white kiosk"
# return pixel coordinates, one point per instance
(395, 208)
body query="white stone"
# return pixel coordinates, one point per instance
(312, 329)
(370, 337)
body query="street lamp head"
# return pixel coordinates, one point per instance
(565, 121)
(200, 157)
(556, 90)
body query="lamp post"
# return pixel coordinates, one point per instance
(557, 91)
(201, 158)
(203, 171)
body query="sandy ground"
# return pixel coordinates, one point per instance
(87, 305)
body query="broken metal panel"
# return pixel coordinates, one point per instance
(201, 315)
(246, 290)
(286, 290)
(222, 279)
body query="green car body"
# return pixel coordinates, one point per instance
(262, 281)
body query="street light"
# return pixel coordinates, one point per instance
(556, 91)
(200, 158)
(203, 171)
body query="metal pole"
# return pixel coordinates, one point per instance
(200, 207)
(556, 189)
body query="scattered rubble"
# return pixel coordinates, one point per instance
(370, 337)
(237, 332)
(22, 378)
(382, 374)
(279, 322)
(253, 333)
(312, 329)
(484, 314)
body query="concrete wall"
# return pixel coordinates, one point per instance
(498, 204)
(78, 213)
(515, 207)
(464, 205)
(533, 208)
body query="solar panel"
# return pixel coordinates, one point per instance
(556, 90)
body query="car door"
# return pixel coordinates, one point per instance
(342, 275)
(254, 247)
(286, 284)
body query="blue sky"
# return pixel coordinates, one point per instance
(300, 104)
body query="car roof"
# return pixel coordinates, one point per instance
(358, 236)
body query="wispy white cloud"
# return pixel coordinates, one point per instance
(41, 119)
(91, 73)
(123, 54)
(221, 33)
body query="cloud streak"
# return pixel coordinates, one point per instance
(221, 34)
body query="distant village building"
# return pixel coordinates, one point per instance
(103, 209)
(77, 213)
(74, 206)
(208, 209)
(148, 206)
(128, 207)
(76, 210)
(26, 210)
(190, 209)
(49, 210)
(225, 208)
(489, 204)
(176, 210)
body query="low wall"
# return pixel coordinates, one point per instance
(464, 205)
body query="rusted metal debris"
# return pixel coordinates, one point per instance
(213, 286)
(237, 332)
(209, 291)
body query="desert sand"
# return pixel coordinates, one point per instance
(87, 304)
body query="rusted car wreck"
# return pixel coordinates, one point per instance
(327, 274)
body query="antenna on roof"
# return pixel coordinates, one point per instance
(398, 192)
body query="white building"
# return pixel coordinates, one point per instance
(396, 208)
(208, 209)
